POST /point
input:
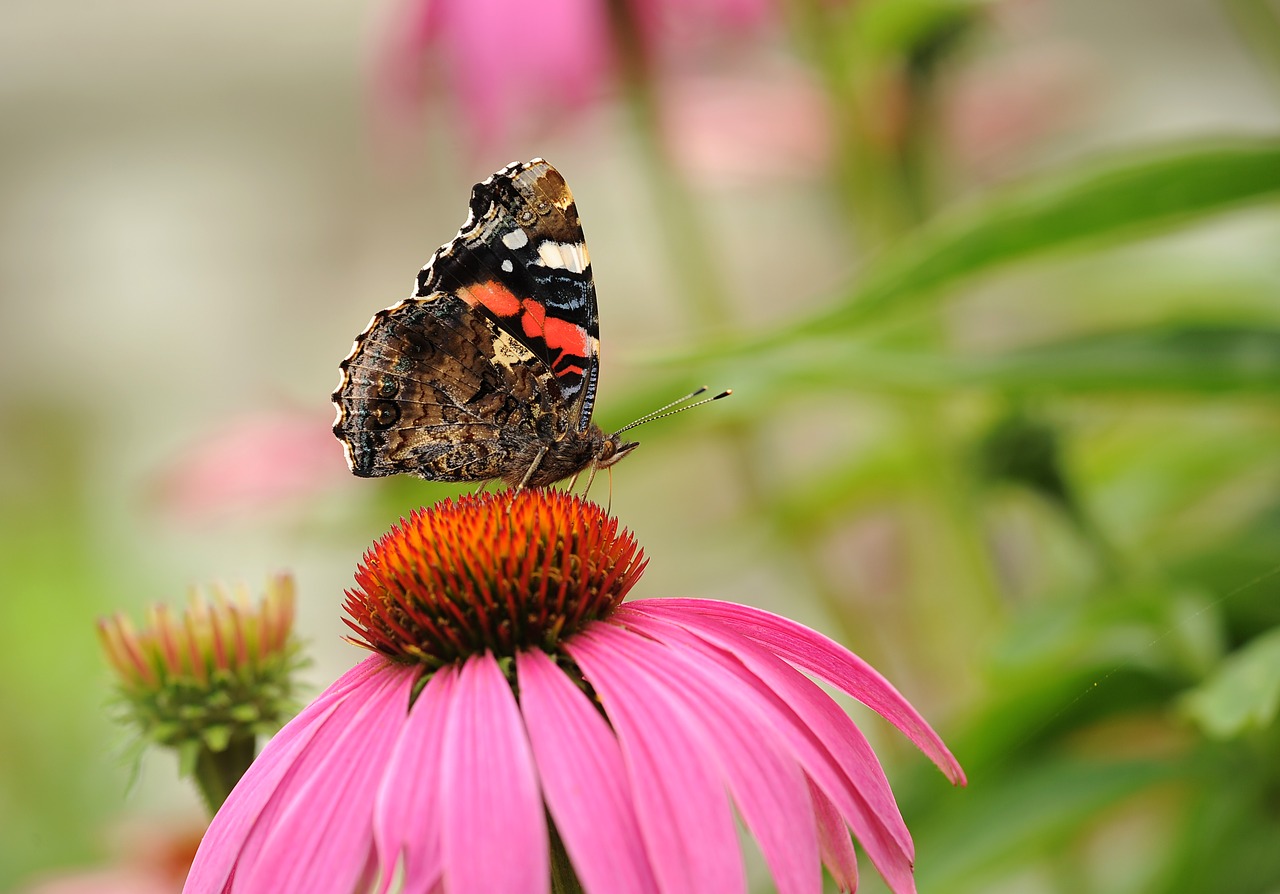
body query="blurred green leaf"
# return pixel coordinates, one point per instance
(1186, 359)
(1190, 358)
(1005, 816)
(1120, 198)
(1244, 692)
(913, 28)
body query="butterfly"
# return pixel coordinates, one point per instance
(489, 370)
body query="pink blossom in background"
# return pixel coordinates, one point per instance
(152, 859)
(993, 113)
(699, 711)
(105, 881)
(508, 63)
(733, 131)
(254, 462)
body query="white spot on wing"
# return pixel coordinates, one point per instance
(515, 239)
(507, 352)
(571, 256)
(507, 266)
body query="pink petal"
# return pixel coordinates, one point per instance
(684, 814)
(828, 660)
(319, 833)
(407, 810)
(764, 779)
(504, 66)
(833, 838)
(830, 747)
(583, 780)
(222, 843)
(493, 828)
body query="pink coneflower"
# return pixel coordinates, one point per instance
(519, 729)
(509, 63)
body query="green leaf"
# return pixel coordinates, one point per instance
(1190, 358)
(1244, 692)
(1120, 198)
(1185, 359)
(1021, 811)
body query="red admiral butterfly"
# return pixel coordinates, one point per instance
(489, 370)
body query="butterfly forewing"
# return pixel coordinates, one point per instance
(521, 259)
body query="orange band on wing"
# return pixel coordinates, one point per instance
(493, 295)
(559, 334)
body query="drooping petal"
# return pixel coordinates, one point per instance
(806, 708)
(833, 839)
(223, 842)
(832, 750)
(320, 828)
(829, 661)
(407, 809)
(681, 805)
(583, 780)
(493, 828)
(763, 777)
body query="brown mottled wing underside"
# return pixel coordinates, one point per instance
(434, 388)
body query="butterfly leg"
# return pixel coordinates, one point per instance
(533, 467)
(590, 479)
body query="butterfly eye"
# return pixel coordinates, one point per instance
(527, 217)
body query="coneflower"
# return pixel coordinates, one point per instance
(520, 729)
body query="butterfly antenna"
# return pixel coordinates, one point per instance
(663, 412)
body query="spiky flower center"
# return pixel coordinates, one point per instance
(498, 572)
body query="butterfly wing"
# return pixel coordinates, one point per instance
(435, 389)
(521, 260)
(494, 358)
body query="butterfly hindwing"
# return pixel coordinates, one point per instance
(411, 401)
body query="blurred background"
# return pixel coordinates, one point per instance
(997, 287)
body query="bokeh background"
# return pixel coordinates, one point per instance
(997, 286)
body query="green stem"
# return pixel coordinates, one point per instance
(217, 772)
(681, 223)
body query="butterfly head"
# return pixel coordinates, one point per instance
(612, 449)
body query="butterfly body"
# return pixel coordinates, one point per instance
(489, 370)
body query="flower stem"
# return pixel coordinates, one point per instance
(682, 226)
(217, 772)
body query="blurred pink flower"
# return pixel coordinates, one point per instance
(734, 131)
(638, 729)
(995, 111)
(509, 63)
(152, 859)
(254, 462)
